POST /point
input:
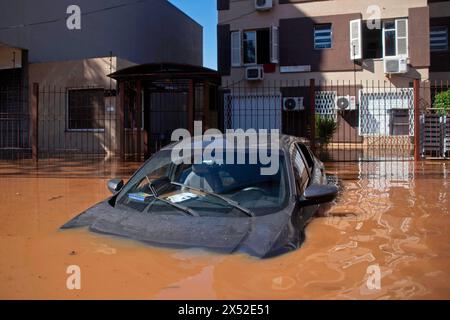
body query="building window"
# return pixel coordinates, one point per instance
(389, 39)
(86, 109)
(249, 45)
(253, 47)
(323, 36)
(438, 38)
(257, 46)
(373, 42)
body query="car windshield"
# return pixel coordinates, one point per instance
(205, 188)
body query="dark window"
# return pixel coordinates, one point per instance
(249, 46)
(307, 155)
(373, 43)
(323, 36)
(86, 109)
(399, 122)
(263, 47)
(438, 38)
(256, 46)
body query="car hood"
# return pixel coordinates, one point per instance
(255, 236)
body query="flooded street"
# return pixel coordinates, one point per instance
(395, 215)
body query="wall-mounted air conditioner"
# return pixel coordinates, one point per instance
(263, 5)
(293, 104)
(254, 73)
(395, 65)
(345, 103)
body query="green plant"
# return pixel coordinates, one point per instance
(326, 127)
(442, 103)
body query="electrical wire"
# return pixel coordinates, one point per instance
(122, 5)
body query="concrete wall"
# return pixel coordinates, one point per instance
(390, 9)
(151, 31)
(55, 78)
(10, 57)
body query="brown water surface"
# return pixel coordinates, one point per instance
(395, 215)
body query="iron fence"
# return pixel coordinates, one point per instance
(367, 121)
(14, 122)
(435, 120)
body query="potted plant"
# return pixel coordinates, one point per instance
(326, 127)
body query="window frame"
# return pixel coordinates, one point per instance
(236, 64)
(447, 44)
(68, 129)
(255, 32)
(384, 37)
(331, 35)
(394, 21)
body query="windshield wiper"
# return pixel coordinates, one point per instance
(232, 203)
(179, 207)
(153, 186)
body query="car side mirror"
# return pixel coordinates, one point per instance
(115, 185)
(319, 194)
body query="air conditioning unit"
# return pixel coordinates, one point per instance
(263, 5)
(254, 73)
(293, 104)
(395, 65)
(345, 103)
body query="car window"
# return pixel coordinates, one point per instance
(307, 155)
(243, 184)
(300, 170)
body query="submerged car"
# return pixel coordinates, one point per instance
(217, 206)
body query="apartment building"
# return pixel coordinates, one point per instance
(368, 49)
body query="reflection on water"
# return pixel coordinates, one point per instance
(391, 214)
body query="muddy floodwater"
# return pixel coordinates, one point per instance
(394, 216)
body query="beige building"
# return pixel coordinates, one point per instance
(77, 99)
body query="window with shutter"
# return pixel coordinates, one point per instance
(401, 27)
(236, 49)
(255, 47)
(274, 45)
(395, 38)
(355, 39)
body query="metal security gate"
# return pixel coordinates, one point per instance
(165, 111)
(253, 112)
(435, 121)
(380, 110)
(386, 123)
(435, 136)
(14, 115)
